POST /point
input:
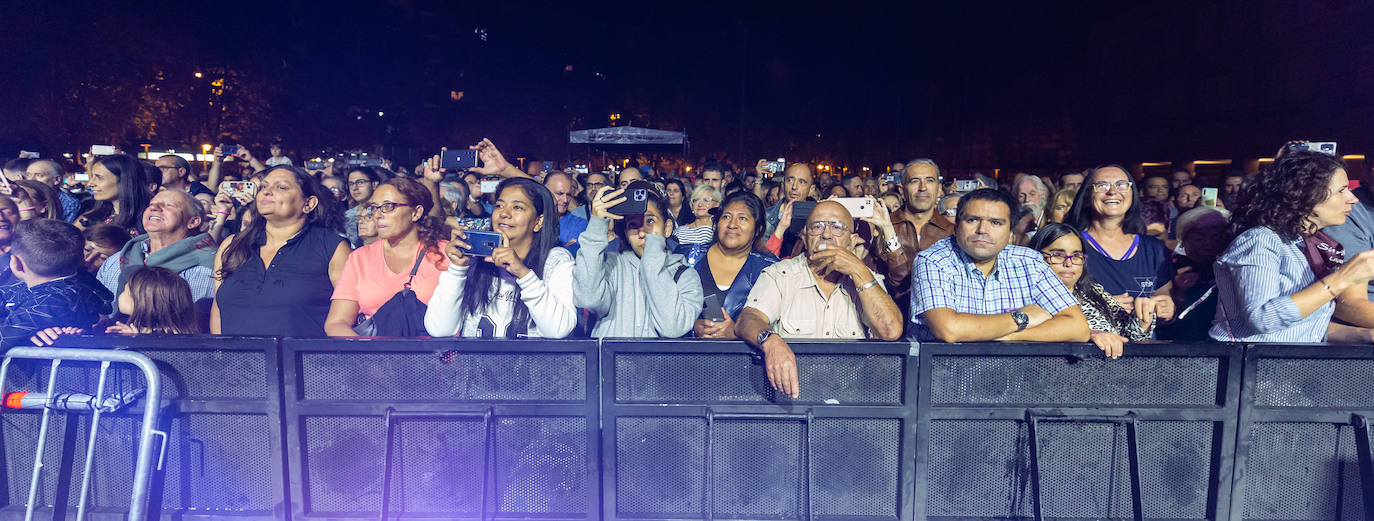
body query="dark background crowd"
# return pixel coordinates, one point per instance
(251, 244)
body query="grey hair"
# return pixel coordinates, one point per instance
(1039, 184)
(942, 206)
(193, 206)
(924, 161)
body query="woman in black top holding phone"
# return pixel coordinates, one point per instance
(729, 266)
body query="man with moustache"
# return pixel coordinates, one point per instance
(824, 293)
(974, 287)
(914, 227)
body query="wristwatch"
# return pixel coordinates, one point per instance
(763, 337)
(1021, 319)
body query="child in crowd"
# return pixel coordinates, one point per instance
(52, 290)
(156, 300)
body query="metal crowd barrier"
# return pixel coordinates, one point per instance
(264, 428)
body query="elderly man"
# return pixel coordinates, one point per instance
(974, 287)
(1032, 192)
(173, 241)
(50, 172)
(825, 293)
(560, 184)
(914, 227)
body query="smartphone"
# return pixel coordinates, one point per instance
(458, 159)
(894, 178)
(711, 308)
(314, 165)
(776, 167)
(102, 150)
(636, 200)
(801, 210)
(963, 185)
(1325, 147)
(489, 187)
(229, 150)
(580, 169)
(483, 243)
(372, 162)
(859, 207)
(1209, 196)
(236, 187)
(82, 177)
(25, 154)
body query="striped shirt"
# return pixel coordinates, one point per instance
(1256, 279)
(944, 277)
(695, 234)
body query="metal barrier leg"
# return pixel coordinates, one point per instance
(1132, 453)
(1362, 447)
(487, 443)
(711, 417)
(90, 444)
(42, 440)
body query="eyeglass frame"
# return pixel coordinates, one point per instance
(1081, 258)
(369, 208)
(1107, 186)
(818, 228)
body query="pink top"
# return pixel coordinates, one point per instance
(367, 280)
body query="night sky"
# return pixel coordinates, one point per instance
(1027, 85)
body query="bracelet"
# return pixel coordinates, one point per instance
(1328, 289)
(870, 284)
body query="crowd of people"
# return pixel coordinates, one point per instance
(764, 254)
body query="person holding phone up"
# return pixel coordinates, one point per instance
(523, 287)
(729, 266)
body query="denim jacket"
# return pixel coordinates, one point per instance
(738, 294)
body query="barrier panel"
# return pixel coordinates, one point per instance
(692, 430)
(221, 408)
(1057, 431)
(1300, 451)
(453, 429)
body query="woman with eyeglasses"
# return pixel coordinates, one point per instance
(1111, 324)
(701, 230)
(409, 241)
(523, 289)
(275, 276)
(1134, 267)
(361, 181)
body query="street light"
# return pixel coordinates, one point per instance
(199, 75)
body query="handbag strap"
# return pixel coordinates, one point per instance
(420, 257)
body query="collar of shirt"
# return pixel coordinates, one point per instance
(262, 237)
(970, 267)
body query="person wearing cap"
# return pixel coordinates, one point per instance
(644, 291)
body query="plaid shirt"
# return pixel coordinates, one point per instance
(944, 277)
(76, 301)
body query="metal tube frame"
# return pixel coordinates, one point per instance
(1034, 417)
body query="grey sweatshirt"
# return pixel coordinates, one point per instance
(634, 297)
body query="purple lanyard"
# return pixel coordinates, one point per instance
(1129, 251)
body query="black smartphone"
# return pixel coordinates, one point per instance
(458, 159)
(711, 308)
(636, 199)
(314, 165)
(801, 210)
(229, 150)
(483, 243)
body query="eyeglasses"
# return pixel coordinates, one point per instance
(164, 167)
(359, 182)
(386, 208)
(336, 190)
(1103, 186)
(1067, 260)
(819, 227)
(703, 201)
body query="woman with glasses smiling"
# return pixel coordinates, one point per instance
(1135, 268)
(1112, 325)
(409, 253)
(702, 230)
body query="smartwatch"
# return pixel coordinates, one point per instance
(1021, 319)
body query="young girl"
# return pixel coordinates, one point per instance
(523, 288)
(156, 301)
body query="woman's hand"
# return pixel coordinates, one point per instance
(709, 329)
(120, 328)
(457, 249)
(1110, 343)
(784, 219)
(224, 205)
(603, 202)
(506, 257)
(47, 337)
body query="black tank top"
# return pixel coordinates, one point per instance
(288, 298)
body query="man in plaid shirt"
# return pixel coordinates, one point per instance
(52, 290)
(974, 287)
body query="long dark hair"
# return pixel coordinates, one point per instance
(162, 302)
(244, 245)
(684, 214)
(1081, 214)
(1285, 194)
(134, 193)
(1083, 289)
(484, 277)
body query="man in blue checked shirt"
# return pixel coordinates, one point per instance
(974, 287)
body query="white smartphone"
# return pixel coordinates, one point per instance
(102, 150)
(859, 207)
(489, 186)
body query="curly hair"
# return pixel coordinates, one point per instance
(432, 229)
(1285, 194)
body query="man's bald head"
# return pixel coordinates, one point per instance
(829, 226)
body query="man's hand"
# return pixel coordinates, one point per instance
(881, 220)
(710, 329)
(844, 261)
(493, 163)
(781, 365)
(429, 170)
(1110, 343)
(604, 200)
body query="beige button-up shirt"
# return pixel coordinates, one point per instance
(788, 294)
